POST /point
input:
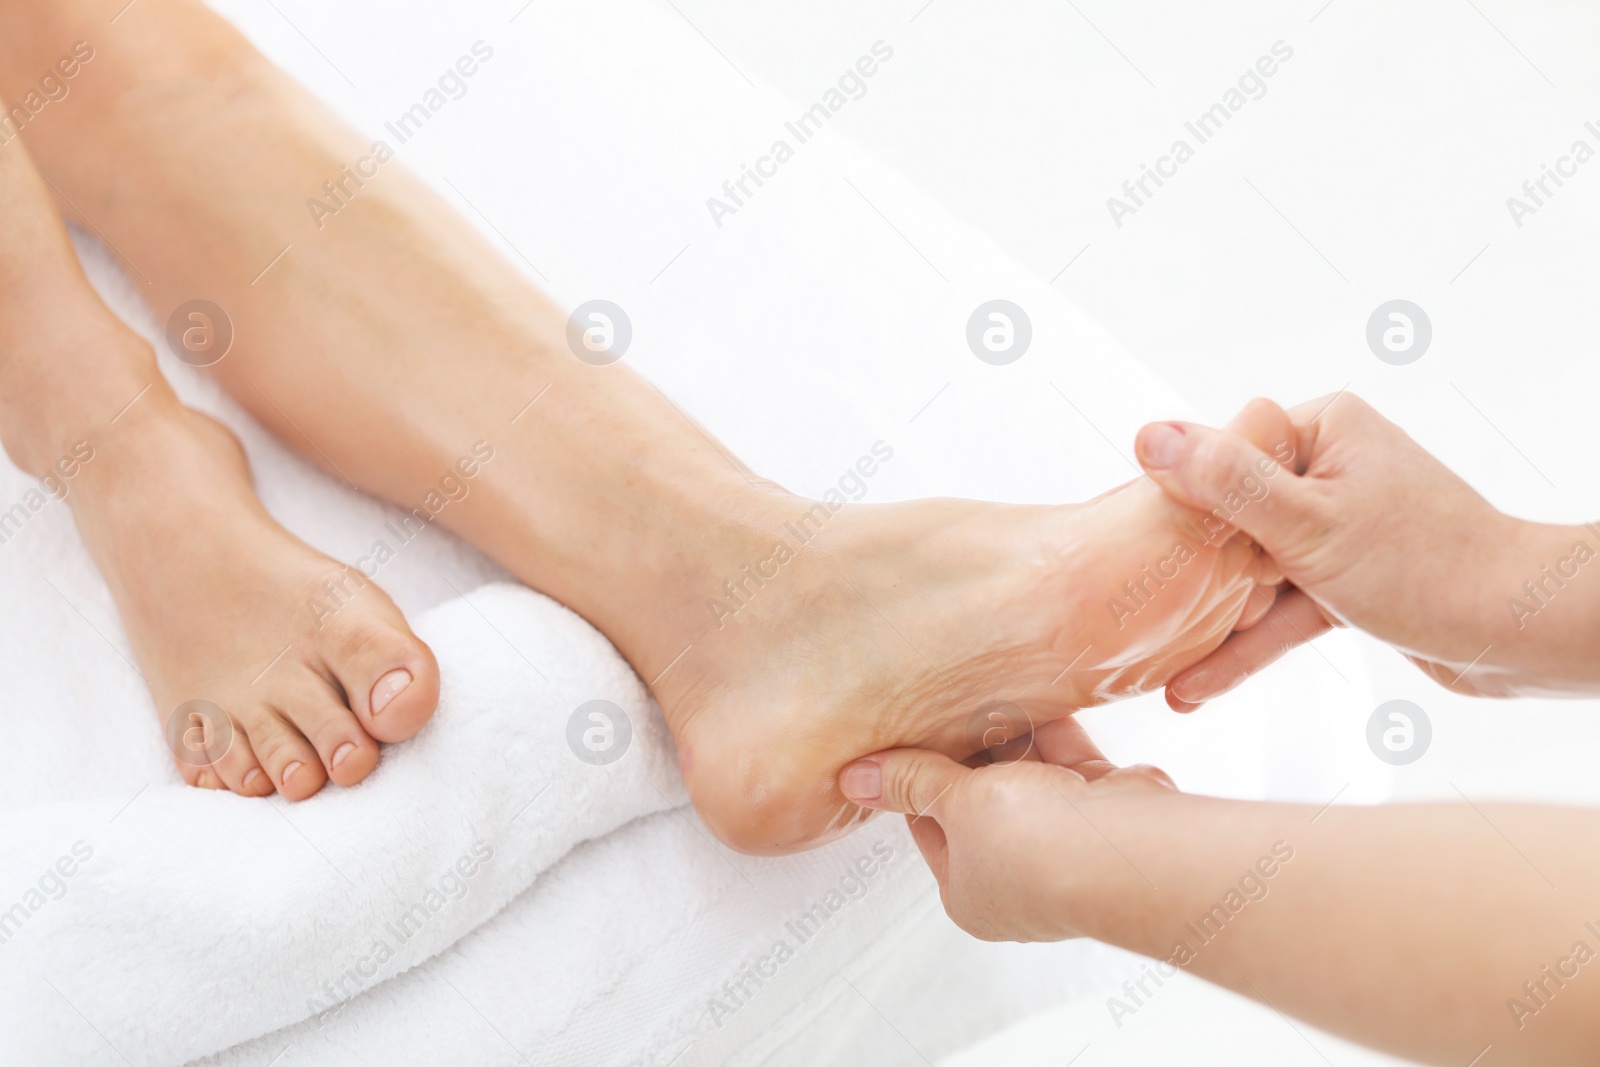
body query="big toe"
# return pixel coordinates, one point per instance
(390, 678)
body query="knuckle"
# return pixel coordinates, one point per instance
(895, 788)
(1219, 456)
(1359, 406)
(1349, 412)
(1316, 514)
(1262, 411)
(907, 783)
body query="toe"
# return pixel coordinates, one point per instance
(238, 768)
(288, 758)
(318, 712)
(390, 679)
(211, 751)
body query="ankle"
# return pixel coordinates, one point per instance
(720, 554)
(64, 391)
(159, 449)
(640, 557)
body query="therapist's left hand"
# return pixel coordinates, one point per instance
(1006, 841)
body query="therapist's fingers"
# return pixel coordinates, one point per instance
(1113, 491)
(1258, 605)
(1141, 774)
(1067, 744)
(1201, 468)
(910, 781)
(906, 780)
(1294, 620)
(1261, 603)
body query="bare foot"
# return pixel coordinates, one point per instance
(912, 624)
(260, 687)
(217, 600)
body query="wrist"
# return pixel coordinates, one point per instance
(1545, 608)
(1184, 868)
(1117, 877)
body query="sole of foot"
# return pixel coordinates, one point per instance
(948, 625)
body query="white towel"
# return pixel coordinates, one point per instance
(827, 314)
(194, 919)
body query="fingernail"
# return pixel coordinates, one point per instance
(254, 780)
(1183, 691)
(1160, 444)
(289, 771)
(342, 753)
(388, 687)
(1208, 685)
(862, 781)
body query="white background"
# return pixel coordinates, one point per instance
(1377, 166)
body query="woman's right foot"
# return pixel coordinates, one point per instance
(946, 625)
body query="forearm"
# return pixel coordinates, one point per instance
(1413, 928)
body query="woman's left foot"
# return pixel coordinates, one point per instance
(273, 667)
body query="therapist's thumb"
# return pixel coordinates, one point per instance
(1228, 477)
(907, 780)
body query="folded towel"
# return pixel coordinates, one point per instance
(645, 946)
(194, 919)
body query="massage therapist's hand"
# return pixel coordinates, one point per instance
(1007, 841)
(1377, 533)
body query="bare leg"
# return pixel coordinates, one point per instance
(393, 338)
(209, 588)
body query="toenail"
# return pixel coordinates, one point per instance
(388, 687)
(862, 781)
(342, 753)
(204, 780)
(1160, 444)
(289, 771)
(255, 779)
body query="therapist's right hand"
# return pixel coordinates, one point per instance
(1372, 531)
